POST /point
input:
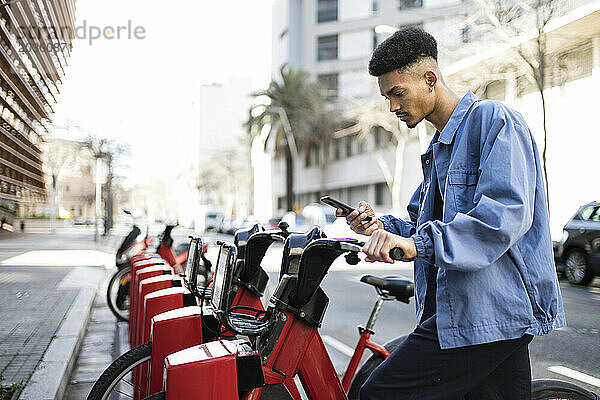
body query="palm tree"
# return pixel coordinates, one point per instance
(295, 110)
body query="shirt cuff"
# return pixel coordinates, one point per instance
(424, 247)
(387, 224)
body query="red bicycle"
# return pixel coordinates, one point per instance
(139, 371)
(117, 291)
(285, 342)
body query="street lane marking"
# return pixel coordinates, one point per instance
(339, 346)
(571, 373)
(61, 258)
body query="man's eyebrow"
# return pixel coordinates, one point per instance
(391, 90)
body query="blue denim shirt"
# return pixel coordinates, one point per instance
(496, 277)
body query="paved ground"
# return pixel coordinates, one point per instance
(42, 278)
(101, 345)
(32, 310)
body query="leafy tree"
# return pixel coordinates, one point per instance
(297, 113)
(523, 26)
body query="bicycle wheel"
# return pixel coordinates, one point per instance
(121, 378)
(368, 367)
(117, 294)
(550, 389)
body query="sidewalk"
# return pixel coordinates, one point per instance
(47, 287)
(105, 340)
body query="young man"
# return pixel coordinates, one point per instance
(479, 234)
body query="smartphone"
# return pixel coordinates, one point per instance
(346, 209)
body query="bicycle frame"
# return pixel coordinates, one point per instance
(364, 342)
(293, 346)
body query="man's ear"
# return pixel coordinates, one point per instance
(430, 78)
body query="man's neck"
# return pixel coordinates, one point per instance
(446, 103)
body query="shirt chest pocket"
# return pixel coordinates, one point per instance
(461, 189)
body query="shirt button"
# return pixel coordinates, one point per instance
(427, 161)
(421, 306)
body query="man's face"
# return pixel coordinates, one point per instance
(408, 94)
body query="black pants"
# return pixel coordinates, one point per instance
(419, 369)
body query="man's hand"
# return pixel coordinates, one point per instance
(356, 217)
(381, 242)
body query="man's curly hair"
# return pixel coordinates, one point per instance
(405, 47)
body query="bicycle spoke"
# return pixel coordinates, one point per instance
(137, 384)
(124, 394)
(127, 382)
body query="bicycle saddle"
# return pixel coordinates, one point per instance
(402, 289)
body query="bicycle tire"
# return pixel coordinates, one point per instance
(157, 396)
(112, 292)
(120, 368)
(368, 367)
(552, 389)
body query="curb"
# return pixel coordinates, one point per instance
(50, 378)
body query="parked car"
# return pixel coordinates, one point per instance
(273, 223)
(212, 220)
(579, 249)
(225, 225)
(318, 214)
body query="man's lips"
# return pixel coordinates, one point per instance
(402, 115)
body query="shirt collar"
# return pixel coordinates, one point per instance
(457, 117)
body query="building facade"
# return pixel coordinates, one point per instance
(572, 79)
(333, 41)
(35, 42)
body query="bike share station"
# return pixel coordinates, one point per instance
(203, 333)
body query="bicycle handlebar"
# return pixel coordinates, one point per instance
(395, 254)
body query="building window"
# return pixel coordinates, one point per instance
(410, 3)
(336, 149)
(327, 10)
(349, 140)
(382, 194)
(329, 82)
(281, 202)
(361, 145)
(327, 48)
(312, 155)
(382, 138)
(374, 6)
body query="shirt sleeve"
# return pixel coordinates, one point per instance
(402, 227)
(504, 200)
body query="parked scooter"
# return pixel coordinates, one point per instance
(134, 245)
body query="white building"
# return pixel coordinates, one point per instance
(223, 175)
(333, 41)
(572, 83)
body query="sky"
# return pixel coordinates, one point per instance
(140, 91)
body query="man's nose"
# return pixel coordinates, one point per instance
(394, 106)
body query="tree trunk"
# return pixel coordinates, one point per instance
(108, 204)
(544, 152)
(289, 179)
(398, 169)
(541, 42)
